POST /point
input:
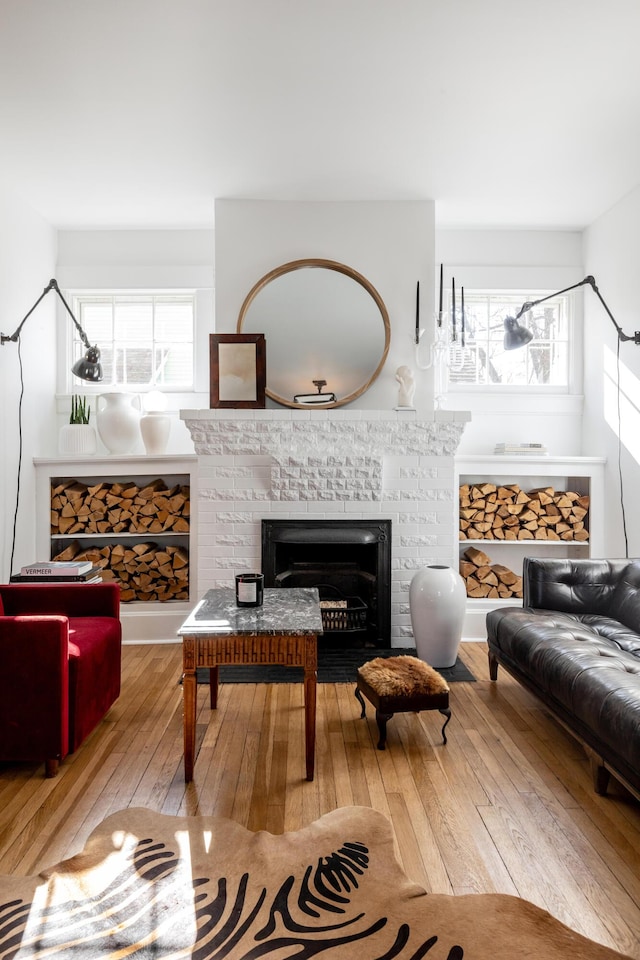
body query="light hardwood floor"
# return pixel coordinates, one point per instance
(506, 806)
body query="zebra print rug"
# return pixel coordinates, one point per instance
(154, 887)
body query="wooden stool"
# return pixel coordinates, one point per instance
(401, 685)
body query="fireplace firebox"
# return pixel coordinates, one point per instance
(349, 561)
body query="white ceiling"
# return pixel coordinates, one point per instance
(139, 113)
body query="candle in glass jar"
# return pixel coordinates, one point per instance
(249, 589)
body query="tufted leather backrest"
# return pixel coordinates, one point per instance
(576, 586)
(625, 605)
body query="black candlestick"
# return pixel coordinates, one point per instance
(462, 315)
(453, 309)
(418, 312)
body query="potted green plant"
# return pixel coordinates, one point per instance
(78, 437)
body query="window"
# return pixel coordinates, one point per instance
(145, 339)
(483, 361)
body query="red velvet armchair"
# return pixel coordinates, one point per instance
(60, 656)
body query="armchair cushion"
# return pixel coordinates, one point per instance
(94, 673)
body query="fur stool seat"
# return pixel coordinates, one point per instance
(401, 685)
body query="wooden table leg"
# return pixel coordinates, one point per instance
(213, 687)
(310, 685)
(189, 694)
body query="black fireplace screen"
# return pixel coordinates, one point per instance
(349, 561)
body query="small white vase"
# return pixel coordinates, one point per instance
(437, 601)
(155, 429)
(77, 439)
(118, 422)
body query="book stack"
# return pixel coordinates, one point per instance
(516, 449)
(59, 571)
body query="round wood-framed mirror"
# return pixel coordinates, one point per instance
(324, 323)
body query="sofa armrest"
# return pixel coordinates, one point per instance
(34, 687)
(65, 599)
(571, 586)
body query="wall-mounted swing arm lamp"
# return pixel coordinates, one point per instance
(88, 367)
(517, 336)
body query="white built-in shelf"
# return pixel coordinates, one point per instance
(141, 622)
(583, 474)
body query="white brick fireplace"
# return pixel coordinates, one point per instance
(326, 464)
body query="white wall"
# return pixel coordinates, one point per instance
(526, 260)
(138, 260)
(612, 256)
(27, 263)
(391, 244)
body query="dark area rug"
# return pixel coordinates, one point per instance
(335, 665)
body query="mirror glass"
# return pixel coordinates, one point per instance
(322, 321)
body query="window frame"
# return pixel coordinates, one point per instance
(528, 294)
(68, 384)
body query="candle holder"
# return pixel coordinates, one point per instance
(446, 352)
(438, 356)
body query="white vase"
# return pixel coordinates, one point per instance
(155, 429)
(437, 601)
(118, 421)
(76, 439)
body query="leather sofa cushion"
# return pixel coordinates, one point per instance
(588, 665)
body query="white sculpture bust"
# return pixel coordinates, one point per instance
(404, 376)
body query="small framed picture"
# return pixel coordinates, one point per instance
(237, 370)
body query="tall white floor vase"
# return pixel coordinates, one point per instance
(437, 601)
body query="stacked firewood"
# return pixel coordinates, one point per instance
(145, 571)
(119, 507)
(486, 579)
(506, 512)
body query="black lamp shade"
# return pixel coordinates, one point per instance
(514, 335)
(89, 366)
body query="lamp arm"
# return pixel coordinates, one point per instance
(592, 283)
(52, 285)
(621, 335)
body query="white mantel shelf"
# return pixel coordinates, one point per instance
(117, 461)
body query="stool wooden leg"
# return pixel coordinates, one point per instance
(381, 720)
(360, 698)
(446, 712)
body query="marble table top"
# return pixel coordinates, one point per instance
(286, 610)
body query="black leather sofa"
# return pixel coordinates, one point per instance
(575, 643)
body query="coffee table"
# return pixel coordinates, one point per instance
(283, 631)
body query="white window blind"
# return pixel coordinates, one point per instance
(145, 339)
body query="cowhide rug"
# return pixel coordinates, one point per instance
(153, 886)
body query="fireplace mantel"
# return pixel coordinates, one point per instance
(332, 464)
(362, 432)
